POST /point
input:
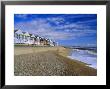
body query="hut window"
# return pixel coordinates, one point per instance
(14, 35)
(22, 36)
(25, 38)
(17, 36)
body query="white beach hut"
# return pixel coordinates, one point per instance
(32, 39)
(51, 43)
(26, 38)
(18, 36)
(37, 42)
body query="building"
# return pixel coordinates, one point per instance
(31, 39)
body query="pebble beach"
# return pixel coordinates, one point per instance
(48, 61)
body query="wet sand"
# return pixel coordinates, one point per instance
(48, 61)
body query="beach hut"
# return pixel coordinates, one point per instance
(51, 42)
(41, 41)
(26, 38)
(44, 41)
(47, 42)
(18, 36)
(32, 39)
(37, 40)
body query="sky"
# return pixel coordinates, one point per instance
(66, 29)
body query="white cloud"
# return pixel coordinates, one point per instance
(87, 21)
(42, 27)
(56, 20)
(24, 16)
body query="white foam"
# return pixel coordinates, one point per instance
(84, 56)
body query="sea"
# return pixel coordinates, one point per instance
(87, 55)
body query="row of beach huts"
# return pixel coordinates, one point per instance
(26, 38)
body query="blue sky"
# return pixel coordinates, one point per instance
(66, 29)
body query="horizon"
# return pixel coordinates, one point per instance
(66, 29)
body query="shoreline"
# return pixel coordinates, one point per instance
(48, 61)
(80, 57)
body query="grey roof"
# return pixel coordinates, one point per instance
(15, 31)
(23, 32)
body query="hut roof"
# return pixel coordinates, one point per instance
(36, 36)
(26, 33)
(15, 31)
(18, 31)
(32, 35)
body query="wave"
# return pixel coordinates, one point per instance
(85, 56)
